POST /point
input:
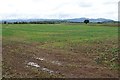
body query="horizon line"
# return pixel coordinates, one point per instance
(56, 18)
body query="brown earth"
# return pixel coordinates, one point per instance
(78, 62)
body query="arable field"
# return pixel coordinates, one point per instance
(60, 50)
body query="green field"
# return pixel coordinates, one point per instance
(95, 42)
(62, 33)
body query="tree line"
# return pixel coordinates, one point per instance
(34, 22)
(41, 22)
(50, 22)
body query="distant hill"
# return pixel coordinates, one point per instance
(68, 20)
(91, 20)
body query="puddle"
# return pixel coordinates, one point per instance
(37, 66)
(56, 62)
(33, 64)
(47, 70)
(53, 62)
(40, 59)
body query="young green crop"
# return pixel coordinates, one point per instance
(57, 32)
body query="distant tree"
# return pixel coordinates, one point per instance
(4, 22)
(86, 21)
(99, 22)
(15, 22)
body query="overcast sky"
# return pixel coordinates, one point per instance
(58, 9)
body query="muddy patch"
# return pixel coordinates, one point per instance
(48, 70)
(33, 64)
(49, 61)
(56, 62)
(41, 59)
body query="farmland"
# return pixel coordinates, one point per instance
(60, 50)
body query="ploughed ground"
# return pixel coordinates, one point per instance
(31, 60)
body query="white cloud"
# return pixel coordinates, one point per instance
(12, 9)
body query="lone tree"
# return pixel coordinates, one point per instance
(4, 22)
(86, 21)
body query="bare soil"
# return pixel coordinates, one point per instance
(78, 62)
